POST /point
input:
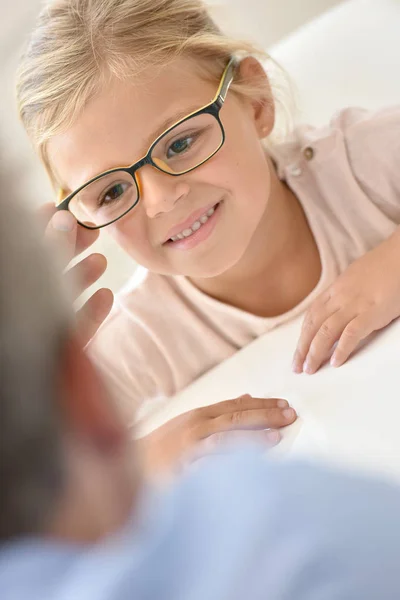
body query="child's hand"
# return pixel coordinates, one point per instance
(365, 298)
(200, 431)
(70, 240)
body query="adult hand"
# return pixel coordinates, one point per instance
(207, 429)
(70, 239)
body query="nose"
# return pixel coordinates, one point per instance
(159, 191)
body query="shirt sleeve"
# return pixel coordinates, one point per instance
(293, 531)
(373, 145)
(237, 527)
(234, 527)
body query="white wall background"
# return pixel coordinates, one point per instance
(267, 21)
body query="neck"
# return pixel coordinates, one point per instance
(280, 267)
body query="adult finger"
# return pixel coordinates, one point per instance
(61, 233)
(64, 232)
(85, 273)
(243, 402)
(265, 418)
(93, 313)
(220, 443)
(85, 238)
(325, 338)
(313, 320)
(356, 331)
(44, 213)
(216, 441)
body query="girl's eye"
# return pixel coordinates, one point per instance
(179, 146)
(113, 193)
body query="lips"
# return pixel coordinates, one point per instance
(189, 222)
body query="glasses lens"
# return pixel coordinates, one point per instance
(188, 144)
(105, 199)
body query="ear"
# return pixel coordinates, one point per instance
(88, 410)
(252, 73)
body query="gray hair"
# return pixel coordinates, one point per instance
(34, 321)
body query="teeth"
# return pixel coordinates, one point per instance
(195, 227)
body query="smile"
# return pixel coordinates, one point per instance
(195, 226)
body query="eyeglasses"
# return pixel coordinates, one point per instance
(186, 145)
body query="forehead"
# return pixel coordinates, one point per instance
(118, 125)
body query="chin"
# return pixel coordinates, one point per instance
(216, 265)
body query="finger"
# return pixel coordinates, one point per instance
(85, 238)
(85, 273)
(218, 441)
(44, 213)
(270, 418)
(93, 313)
(313, 320)
(61, 233)
(356, 331)
(324, 340)
(244, 402)
(64, 232)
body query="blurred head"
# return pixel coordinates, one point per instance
(102, 79)
(65, 462)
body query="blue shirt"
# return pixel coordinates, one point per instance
(234, 528)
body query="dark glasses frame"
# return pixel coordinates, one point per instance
(213, 108)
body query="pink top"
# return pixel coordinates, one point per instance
(163, 332)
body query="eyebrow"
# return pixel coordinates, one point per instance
(166, 124)
(171, 121)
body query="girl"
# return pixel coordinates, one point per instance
(151, 123)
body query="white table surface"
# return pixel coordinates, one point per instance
(348, 416)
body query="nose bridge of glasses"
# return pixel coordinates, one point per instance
(146, 160)
(152, 161)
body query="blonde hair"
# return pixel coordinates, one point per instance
(78, 44)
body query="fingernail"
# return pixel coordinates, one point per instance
(63, 221)
(334, 361)
(289, 413)
(273, 436)
(283, 403)
(307, 368)
(296, 366)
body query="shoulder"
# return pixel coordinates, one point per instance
(370, 133)
(363, 132)
(371, 141)
(371, 126)
(356, 154)
(373, 145)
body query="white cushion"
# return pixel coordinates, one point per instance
(349, 56)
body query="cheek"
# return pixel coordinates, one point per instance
(249, 170)
(130, 233)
